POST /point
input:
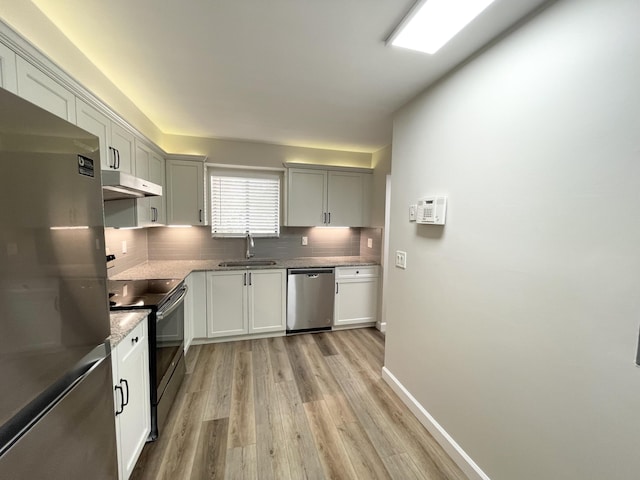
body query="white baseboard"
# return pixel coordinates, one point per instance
(449, 445)
(382, 326)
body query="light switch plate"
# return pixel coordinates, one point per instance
(305, 240)
(124, 246)
(401, 259)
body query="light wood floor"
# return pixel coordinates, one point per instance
(302, 407)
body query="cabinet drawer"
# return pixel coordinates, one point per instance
(357, 272)
(137, 336)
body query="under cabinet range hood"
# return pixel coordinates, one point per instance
(117, 185)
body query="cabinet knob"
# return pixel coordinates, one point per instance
(134, 340)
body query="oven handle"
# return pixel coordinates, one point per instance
(174, 305)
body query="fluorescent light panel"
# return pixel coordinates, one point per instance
(435, 22)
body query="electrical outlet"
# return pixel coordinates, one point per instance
(370, 242)
(125, 290)
(401, 259)
(124, 246)
(305, 240)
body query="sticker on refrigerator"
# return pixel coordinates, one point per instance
(85, 166)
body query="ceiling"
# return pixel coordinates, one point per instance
(312, 73)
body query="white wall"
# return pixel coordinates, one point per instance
(239, 152)
(516, 324)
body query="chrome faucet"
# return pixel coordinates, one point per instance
(250, 245)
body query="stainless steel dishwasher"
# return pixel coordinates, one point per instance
(310, 299)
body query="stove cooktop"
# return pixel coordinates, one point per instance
(140, 293)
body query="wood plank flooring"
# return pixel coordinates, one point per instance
(302, 407)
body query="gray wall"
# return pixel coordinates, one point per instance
(516, 324)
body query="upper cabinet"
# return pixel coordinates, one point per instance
(8, 78)
(42, 90)
(185, 191)
(328, 197)
(122, 150)
(157, 175)
(90, 119)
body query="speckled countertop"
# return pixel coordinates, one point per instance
(123, 322)
(182, 268)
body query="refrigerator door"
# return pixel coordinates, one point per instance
(69, 441)
(53, 293)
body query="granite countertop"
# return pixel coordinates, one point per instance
(122, 322)
(181, 268)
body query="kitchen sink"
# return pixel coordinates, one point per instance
(248, 263)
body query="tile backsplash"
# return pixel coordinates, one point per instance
(195, 243)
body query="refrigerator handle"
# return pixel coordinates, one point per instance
(337, 287)
(125, 402)
(121, 407)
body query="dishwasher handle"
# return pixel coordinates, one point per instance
(310, 272)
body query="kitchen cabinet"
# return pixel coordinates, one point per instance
(195, 308)
(139, 212)
(37, 87)
(93, 121)
(185, 192)
(130, 367)
(318, 197)
(356, 297)
(246, 302)
(116, 143)
(8, 76)
(122, 150)
(157, 175)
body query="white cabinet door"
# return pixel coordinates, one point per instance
(185, 193)
(97, 123)
(226, 303)
(356, 299)
(37, 87)
(334, 198)
(132, 400)
(156, 175)
(306, 197)
(241, 302)
(123, 147)
(267, 301)
(195, 308)
(8, 76)
(345, 199)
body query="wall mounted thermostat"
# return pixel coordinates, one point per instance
(432, 210)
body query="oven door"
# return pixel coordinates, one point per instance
(169, 338)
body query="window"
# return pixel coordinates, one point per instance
(244, 202)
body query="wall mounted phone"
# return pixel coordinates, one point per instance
(432, 210)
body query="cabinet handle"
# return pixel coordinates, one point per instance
(337, 287)
(125, 402)
(244, 279)
(134, 340)
(200, 215)
(249, 278)
(117, 167)
(121, 407)
(329, 214)
(324, 217)
(112, 153)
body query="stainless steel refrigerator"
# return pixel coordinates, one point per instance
(56, 403)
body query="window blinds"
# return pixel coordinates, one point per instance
(245, 204)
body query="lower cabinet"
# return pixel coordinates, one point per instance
(195, 308)
(246, 302)
(356, 299)
(130, 365)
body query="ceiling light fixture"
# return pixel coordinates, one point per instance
(432, 23)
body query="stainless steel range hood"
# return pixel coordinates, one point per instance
(117, 185)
